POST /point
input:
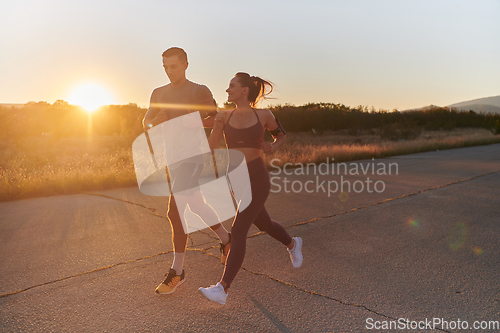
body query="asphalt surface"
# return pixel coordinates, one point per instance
(424, 248)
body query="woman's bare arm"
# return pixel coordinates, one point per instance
(279, 140)
(217, 131)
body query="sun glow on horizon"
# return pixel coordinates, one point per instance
(90, 96)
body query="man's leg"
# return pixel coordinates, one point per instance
(186, 180)
(179, 238)
(199, 206)
(175, 277)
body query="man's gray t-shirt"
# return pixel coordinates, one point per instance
(190, 97)
(182, 100)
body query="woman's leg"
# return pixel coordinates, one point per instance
(254, 213)
(260, 190)
(272, 228)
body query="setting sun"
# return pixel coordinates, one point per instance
(90, 96)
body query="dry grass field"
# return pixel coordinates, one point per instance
(45, 166)
(306, 147)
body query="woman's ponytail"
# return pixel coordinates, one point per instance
(258, 88)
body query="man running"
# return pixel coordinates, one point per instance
(175, 99)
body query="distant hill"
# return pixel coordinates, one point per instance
(480, 108)
(494, 100)
(487, 105)
(483, 105)
(10, 105)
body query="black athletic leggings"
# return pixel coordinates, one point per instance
(255, 213)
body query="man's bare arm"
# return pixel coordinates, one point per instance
(208, 122)
(210, 109)
(154, 115)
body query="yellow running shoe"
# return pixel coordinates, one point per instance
(171, 282)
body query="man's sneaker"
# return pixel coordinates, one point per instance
(171, 282)
(215, 293)
(224, 250)
(296, 252)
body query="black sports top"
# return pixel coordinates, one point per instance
(249, 137)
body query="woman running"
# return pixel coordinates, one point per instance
(243, 130)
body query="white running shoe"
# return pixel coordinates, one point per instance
(215, 293)
(296, 252)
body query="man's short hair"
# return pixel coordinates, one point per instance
(176, 51)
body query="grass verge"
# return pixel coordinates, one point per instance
(43, 167)
(305, 148)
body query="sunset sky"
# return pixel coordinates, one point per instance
(387, 54)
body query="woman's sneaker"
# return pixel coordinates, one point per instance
(215, 293)
(296, 252)
(171, 282)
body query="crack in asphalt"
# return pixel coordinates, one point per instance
(205, 251)
(276, 322)
(108, 267)
(333, 215)
(84, 273)
(321, 217)
(314, 293)
(153, 210)
(378, 203)
(209, 235)
(190, 239)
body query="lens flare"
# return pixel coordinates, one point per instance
(343, 196)
(414, 223)
(457, 236)
(478, 251)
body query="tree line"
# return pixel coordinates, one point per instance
(329, 116)
(61, 119)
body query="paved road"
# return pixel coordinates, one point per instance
(425, 247)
